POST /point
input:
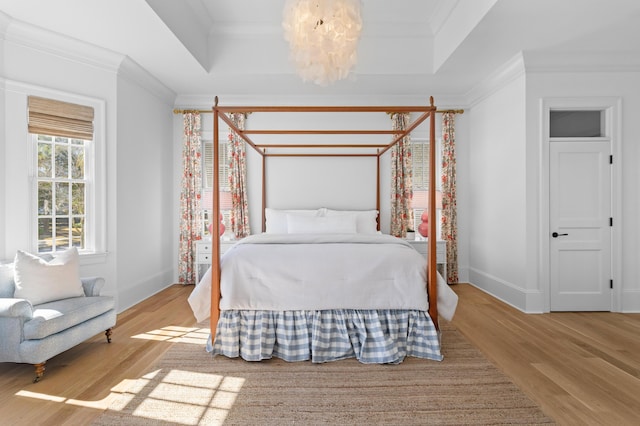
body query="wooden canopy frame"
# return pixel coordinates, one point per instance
(222, 113)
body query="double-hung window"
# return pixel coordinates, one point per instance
(420, 177)
(62, 184)
(420, 167)
(207, 184)
(62, 138)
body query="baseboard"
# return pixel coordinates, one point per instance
(630, 301)
(144, 289)
(527, 301)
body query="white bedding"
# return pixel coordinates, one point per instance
(282, 272)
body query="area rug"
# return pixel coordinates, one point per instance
(189, 387)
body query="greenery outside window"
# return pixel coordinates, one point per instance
(61, 183)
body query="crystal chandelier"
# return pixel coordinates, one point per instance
(323, 37)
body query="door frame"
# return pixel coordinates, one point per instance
(611, 106)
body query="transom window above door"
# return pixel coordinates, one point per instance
(576, 124)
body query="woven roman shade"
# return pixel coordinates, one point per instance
(57, 118)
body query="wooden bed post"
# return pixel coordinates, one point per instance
(215, 230)
(378, 189)
(431, 250)
(264, 191)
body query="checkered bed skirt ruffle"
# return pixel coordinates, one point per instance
(371, 336)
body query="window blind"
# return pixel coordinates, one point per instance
(223, 171)
(223, 176)
(57, 118)
(420, 158)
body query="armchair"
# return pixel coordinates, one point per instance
(33, 333)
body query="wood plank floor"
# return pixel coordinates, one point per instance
(77, 384)
(582, 368)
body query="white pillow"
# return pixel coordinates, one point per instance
(276, 220)
(343, 224)
(40, 281)
(366, 220)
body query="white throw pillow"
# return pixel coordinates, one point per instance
(40, 281)
(343, 224)
(366, 220)
(276, 220)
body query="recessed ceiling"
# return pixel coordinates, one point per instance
(408, 47)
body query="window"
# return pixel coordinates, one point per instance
(64, 179)
(576, 123)
(61, 189)
(207, 184)
(420, 167)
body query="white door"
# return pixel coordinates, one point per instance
(580, 229)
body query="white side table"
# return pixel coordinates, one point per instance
(441, 253)
(203, 254)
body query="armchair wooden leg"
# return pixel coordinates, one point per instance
(39, 371)
(108, 334)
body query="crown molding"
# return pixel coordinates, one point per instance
(29, 36)
(441, 13)
(502, 76)
(525, 63)
(4, 24)
(602, 61)
(131, 71)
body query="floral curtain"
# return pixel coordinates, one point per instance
(401, 180)
(190, 212)
(239, 216)
(449, 229)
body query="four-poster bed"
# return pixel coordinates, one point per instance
(288, 246)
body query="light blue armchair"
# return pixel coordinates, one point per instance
(33, 334)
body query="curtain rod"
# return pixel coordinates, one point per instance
(209, 111)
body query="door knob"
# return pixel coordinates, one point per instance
(556, 235)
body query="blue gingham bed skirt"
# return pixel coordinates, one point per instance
(371, 336)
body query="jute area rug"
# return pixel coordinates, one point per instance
(189, 387)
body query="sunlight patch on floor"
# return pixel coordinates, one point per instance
(42, 396)
(176, 396)
(180, 397)
(175, 334)
(99, 404)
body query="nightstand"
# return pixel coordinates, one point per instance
(203, 254)
(441, 253)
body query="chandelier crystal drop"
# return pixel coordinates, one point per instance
(323, 37)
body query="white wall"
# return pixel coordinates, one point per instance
(3, 156)
(144, 176)
(136, 136)
(496, 203)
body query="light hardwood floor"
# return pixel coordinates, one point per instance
(582, 368)
(77, 384)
